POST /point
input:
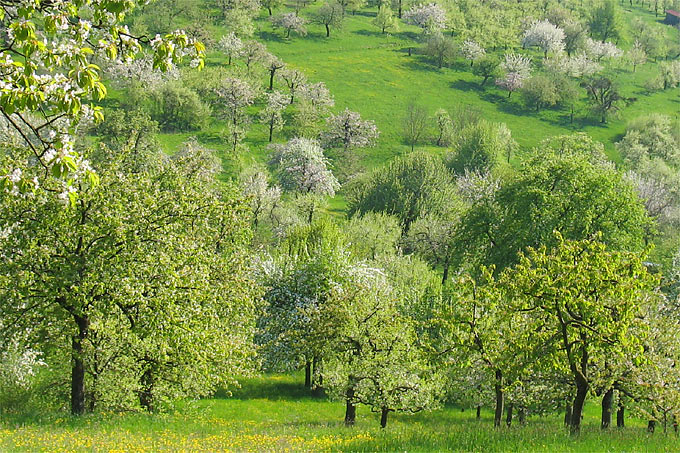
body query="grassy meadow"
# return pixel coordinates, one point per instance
(372, 73)
(276, 413)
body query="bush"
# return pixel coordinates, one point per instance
(178, 108)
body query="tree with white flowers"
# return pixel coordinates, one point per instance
(43, 106)
(290, 22)
(272, 113)
(231, 45)
(544, 35)
(602, 49)
(348, 131)
(430, 17)
(472, 51)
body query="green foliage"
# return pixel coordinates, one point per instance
(477, 147)
(407, 188)
(178, 108)
(605, 21)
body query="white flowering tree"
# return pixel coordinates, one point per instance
(290, 22)
(263, 197)
(472, 51)
(236, 95)
(348, 131)
(517, 70)
(294, 79)
(314, 104)
(544, 35)
(430, 17)
(231, 45)
(272, 113)
(303, 168)
(599, 50)
(50, 82)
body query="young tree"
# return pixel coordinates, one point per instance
(253, 52)
(270, 5)
(476, 148)
(636, 55)
(605, 21)
(440, 47)
(472, 51)
(294, 79)
(444, 127)
(544, 35)
(231, 45)
(273, 64)
(348, 131)
(487, 68)
(415, 124)
(539, 91)
(272, 113)
(254, 183)
(599, 50)
(385, 19)
(330, 15)
(575, 35)
(236, 95)
(290, 22)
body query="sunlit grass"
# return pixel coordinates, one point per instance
(276, 413)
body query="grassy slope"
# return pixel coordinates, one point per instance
(275, 414)
(373, 74)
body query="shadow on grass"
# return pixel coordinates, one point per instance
(271, 389)
(368, 33)
(271, 36)
(466, 85)
(421, 63)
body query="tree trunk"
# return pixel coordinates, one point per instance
(445, 276)
(620, 416)
(383, 417)
(567, 415)
(577, 408)
(271, 79)
(479, 412)
(271, 130)
(78, 366)
(350, 408)
(270, 10)
(499, 399)
(522, 415)
(651, 426)
(328, 31)
(508, 418)
(308, 374)
(146, 392)
(607, 401)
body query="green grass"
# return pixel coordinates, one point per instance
(275, 413)
(373, 74)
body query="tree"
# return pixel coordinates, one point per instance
(476, 148)
(440, 47)
(290, 22)
(587, 299)
(574, 37)
(314, 104)
(518, 70)
(294, 79)
(263, 198)
(511, 82)
(330, 15)
(253, 52)
(373, 234)
(604, 96)
(444, 127)
(377, 361)
(651, 137)
(231, 45)
(571, 189)
(143, 267)
(546, 36)
(348, 131)
(472, 51)
(385, 19)
(271, 4)
(599, 50)
(43, 108)
(540, 91)
(178, 108)
(415, 124)
(407, 187)
(303, 168)
(273, 65)
(272, 113)
(486, 68)
(605, 21)
(430, 17)
(636, 55)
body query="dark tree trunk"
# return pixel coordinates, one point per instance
(270, 10)
(78, 366)
(522, 415)
(607, 401)
(328, 31)
(271, 79)
(271, 130)
(445, 276)
(383, 417)
(508, 418)
(479, 412)
(146, 392)
(499, 399)
(577, 408)
(567, 415)
(308, 374)
(621, 416)
(651, 426)
(350, 408)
